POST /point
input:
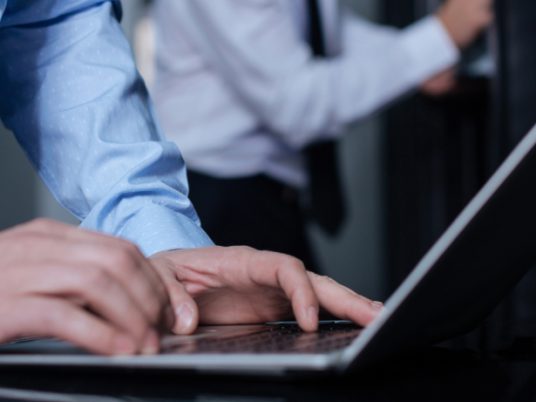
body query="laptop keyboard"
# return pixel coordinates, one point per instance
(271, 338)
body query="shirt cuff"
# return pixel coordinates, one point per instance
(156, 228)
(430, 47)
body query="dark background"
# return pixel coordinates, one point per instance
(439, 151)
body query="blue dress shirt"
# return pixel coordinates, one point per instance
(70, 92)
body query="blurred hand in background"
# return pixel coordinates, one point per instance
(465, 19)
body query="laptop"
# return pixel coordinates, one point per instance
(466, 273)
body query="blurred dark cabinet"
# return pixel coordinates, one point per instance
(439, 151)
(515, 92)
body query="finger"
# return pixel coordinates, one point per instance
(288, 273)
(121, 258)
(130, 266)
(81, 236)
(51, 317)
(126, 252)
(184, 307)
(343, 302)
(145, 285)
(100, 291)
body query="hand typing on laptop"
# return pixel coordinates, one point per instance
(241, 285)
(93, 290)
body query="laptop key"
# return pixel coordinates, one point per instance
(272, 338)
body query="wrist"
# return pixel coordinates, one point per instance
(445, 20)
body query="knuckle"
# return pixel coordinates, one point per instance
(245, 251)
(327, 279)
(240, 252)
(122, 260)
(294, 264)
(41, 224)
(96, 278)
(40, 221)
(284, 261)
(129, 247)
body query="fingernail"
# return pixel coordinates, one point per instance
(151, 345)
(185, 317)
(123, 345)
(378, 306)
(312, 316)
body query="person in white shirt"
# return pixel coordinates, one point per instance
(256, 96)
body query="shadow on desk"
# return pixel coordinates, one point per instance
(433, 375)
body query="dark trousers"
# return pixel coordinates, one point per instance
(254, 211)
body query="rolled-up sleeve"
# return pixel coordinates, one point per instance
(70, 92)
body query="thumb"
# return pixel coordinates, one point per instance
(184, 307)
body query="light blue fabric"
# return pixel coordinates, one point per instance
(70, 92)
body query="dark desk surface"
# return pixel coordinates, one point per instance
(432, 375)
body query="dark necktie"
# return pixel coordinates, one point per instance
(326, 200)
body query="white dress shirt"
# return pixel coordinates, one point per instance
(239, 91)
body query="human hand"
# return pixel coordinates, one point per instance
(96, 291)
(465, 19)
(440, 84)
(240, 285)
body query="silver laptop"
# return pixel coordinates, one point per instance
(481, 256)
